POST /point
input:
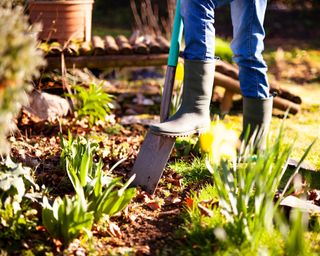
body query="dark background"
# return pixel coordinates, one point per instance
(285, 19)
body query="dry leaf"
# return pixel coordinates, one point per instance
(314, 195)
(172, 199)
(114, 230)
(132, 217)
(205, 211)
(41, 228)
(174, 181)
(154, 205)
(143, 196)
(58, 244)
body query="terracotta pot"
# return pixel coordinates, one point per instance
(62, 20)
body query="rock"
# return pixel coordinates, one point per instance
(46, 107)
(297, 203)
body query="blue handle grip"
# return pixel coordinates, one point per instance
(175, 38)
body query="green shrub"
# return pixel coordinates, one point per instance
(19, 63)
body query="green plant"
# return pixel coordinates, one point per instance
(248, 217)
(110, 198)
(66, 218)
(199, 228)
(19, 63)
(246, 192)
(185, 146)
(16, 218)
(104, 195)
(294, 238)
(92, 102)
(78, 154)
(193, 172)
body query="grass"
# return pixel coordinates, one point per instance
(302, 127)
(305, 125)
(191, 172)
(223, 220)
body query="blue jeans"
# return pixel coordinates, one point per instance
(247, 44)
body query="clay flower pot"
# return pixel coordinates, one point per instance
(62, 20)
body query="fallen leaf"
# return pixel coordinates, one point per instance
(205, 211)
(38, 153)
(132, 217)
(172, 199)
(58, 244)
(174, 181)
(154, 205)
(144, 197)
(314, 195)
(41, 228)
(210, 203)
(143, 249)
(114, 230)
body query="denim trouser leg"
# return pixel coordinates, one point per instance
(247, 44)
(199, 32)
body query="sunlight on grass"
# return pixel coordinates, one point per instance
(191, 172)
(304, 127)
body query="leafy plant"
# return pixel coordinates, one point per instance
(78, 154)
(248, 219)
(15, 216)
(19, 63)
(66, 218)
(92, 102)
(246, 192)
(109, 199)
(104, 195)
(294, 238)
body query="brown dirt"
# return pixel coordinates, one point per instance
(149, 224)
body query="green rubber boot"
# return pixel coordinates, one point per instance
(257, 114)
(193, 115)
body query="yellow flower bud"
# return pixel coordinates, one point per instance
(179, 73)
(206, 140)
(219, 142)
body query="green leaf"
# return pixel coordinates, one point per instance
(98, 183)
(84, 167)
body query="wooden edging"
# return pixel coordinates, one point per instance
(107, 61)
(229, 80)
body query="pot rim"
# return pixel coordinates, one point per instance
(66, 2)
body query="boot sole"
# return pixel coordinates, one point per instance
(181, 134)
